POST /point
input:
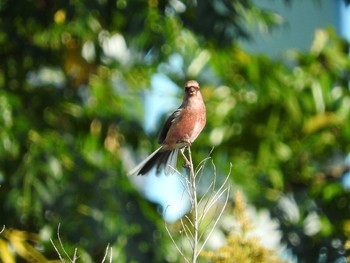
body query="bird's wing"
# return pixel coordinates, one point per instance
(164, 131)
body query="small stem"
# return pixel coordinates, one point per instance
(194, 207)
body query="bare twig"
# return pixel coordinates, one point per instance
(216, 196)
(194, 208)
(205, 212)
(190, 225)
(200, 168)
(187, 230)
(174, 242)
(211, 187)
(75, 257)
(217, 220)
(58, 253)
(3, 228)
(108, 249)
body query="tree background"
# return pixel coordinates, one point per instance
(70, 104)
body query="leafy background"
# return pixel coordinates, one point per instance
(69, 109)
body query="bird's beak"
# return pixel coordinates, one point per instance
(191, 90)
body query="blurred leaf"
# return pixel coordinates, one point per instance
(321, 121)
(72, 83)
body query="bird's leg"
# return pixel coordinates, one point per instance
(184, 143)
(187, 162)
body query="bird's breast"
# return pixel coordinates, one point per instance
(187, 126)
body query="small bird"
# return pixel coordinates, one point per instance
(179, 131)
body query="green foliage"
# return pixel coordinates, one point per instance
(68, 109)
(285, 126)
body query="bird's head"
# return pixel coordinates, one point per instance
(191, 88)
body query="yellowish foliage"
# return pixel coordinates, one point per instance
(21, 244)
(241, 247)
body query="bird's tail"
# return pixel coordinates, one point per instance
(158, 159)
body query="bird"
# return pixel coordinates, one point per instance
(178, 132)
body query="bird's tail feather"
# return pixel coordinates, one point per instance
(170, 164)
(157, 159)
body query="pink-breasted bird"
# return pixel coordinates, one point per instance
(180, 130)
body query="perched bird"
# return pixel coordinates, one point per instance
(179, 131)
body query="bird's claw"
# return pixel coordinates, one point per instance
(187, 165)
(185, 142)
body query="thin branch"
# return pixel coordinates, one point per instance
(217, 220)
(106, 253)
(224, 183)
(200, 168)
(174, 169)
(174, 242)
(188, 232)
(3, 228)
(194, 207)
(75, 257)
(215, 212)
(111, 256)
(202, 163)
(211, 203)
(215, 197)
(189, 220)
(208, 206)
(186, 184)
(59, 254)
(211, 186)
(60, 241)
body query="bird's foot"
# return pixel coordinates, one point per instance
(187, 165)
(184, 142)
